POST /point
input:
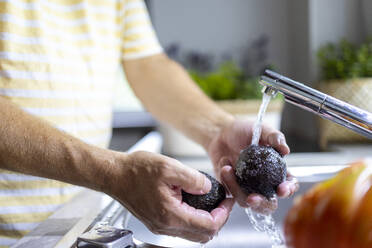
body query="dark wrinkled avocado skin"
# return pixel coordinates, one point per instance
(209, 201)
(260, 169)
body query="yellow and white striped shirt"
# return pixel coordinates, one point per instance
(58, 61)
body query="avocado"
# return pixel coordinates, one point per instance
(260, 169)
(208, 201)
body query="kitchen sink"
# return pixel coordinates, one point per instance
(90, 209)
(237, 232)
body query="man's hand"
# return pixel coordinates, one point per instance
(224, 151)
(149, 185)
(174, 98)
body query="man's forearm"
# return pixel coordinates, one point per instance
(30, 145)
(168, 92)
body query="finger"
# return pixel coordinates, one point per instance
(221, 163)
(254, 200)
(243, 136)
(294, 185)
(228, 178)
(261, 205)
(190, 180)
(195, 220)
(222, 212)
(274, 138)
(284, 189)
(206, 223)
(289, 187)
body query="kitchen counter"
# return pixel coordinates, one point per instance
(62, 227)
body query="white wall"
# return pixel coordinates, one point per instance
(296, 27)
(220, 26)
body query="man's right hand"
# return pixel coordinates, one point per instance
(149, 186)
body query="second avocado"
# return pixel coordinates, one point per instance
(209, 201)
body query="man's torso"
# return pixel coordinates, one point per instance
(58, 61)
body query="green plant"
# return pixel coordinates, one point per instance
(227, 82)
(345, 60)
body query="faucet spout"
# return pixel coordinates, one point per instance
(321, 104)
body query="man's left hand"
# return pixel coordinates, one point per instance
(224, 151)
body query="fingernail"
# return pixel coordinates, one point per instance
(229, 168)
(293, 189)
(281, 141)
(272, 141)
(207, 186)
(229, 175)
(228, 193)
(287, 192)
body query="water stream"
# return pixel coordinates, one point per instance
(257, 128)
(266, 224)
(261, 222)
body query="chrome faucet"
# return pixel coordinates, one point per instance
(325, 106)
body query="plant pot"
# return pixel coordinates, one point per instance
(176, 144)
(367, 12)
(357, 92)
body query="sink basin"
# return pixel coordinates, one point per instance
(90, 208)
(237, 232)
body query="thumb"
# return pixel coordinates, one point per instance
(191, 180)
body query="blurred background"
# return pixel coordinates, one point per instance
(225, 45)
